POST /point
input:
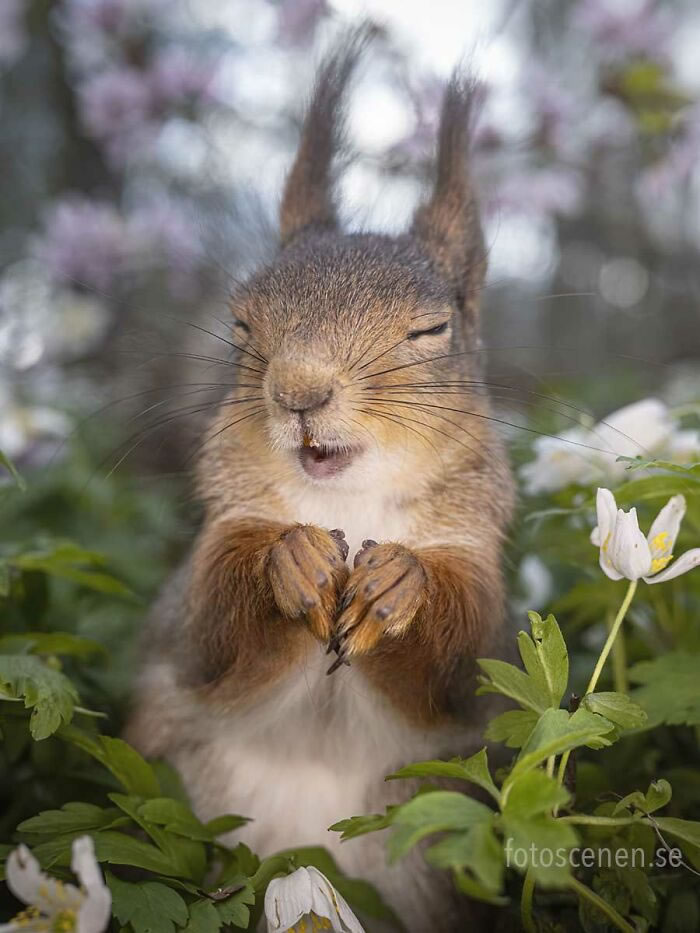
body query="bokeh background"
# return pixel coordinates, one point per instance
(143, 148)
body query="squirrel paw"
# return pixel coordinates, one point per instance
(382, 596)
(306, 570)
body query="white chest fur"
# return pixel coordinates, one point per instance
(374, 513)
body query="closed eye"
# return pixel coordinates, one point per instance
(241, 325)
(430, 332)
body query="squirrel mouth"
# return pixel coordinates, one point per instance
(320, 461)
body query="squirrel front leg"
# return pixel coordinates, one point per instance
(414, 619)
(249, 578)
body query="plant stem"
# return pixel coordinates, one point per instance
(526, 917)
(619, 660)
(603, 657)
(612, 635)
(587, 894)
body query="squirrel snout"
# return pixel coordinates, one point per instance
(299, 386)
(303, 399)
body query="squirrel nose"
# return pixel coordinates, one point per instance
(303, 400)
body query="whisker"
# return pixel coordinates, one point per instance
(432, 428)
(200, 357)
(373, 412)
(261, 409)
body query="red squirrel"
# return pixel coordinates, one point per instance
(356, 499)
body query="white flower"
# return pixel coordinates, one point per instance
(626, 553)
(305, 902)
(55, 907)
(582, 455)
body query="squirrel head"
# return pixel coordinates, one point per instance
(364, 348)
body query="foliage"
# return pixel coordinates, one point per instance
(62, 773)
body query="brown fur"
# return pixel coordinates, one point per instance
(333, 349)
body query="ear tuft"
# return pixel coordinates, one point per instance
(308, 199)
(448, 226)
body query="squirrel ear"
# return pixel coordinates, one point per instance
(447, 225)
(308, 199)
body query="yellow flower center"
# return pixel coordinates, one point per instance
(311, 923)
(661, 546)
(65, 921)
(660, 542)
(25, 917)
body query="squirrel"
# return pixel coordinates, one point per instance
(356, 501)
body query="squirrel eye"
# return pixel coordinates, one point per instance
(431, 331)
(241, 325)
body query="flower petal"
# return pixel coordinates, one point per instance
(287, 900)
(629, 549)
(664, 531)
(95, 911)
(327, 902)
(683, 564)
(28, 883)
(601, 536)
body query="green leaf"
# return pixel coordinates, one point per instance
(639, 463)
(225, 824)
(130, 769)
(557, 732)
(150, 907)
(235, 910)
(67, 560)
(617, 707)
(677, 706)
(551, 654)
(657, 796)
(468, 885)
(474, 769)
(5, 579)
(541, 844)
(359, 825)
(513, 727)
(687, 830)
(47, 692)
(72, 817)
(534, 793)
(434, 812)
(12, 470)
(50, 643)
(508, 680)
(477, 850)
(176, 817)
(204, 917)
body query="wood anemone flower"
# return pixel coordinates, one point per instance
(624, 551)
(55, 907)
(306, 902)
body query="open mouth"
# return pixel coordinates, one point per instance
(321, 461)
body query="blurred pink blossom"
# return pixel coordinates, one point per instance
(297, 20)
(116, 106)
(551, 190)
(83, 242)
(641, 29)
(176, 75)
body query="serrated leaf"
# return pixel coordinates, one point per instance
(150, 907)
(72, 817)
(478, 850)
(203, 918)
(557, 732)
(69, 561)
(437, 811)
(677, 706)
(235, 910)
(657, 796)
(359, 825)
(474, 769)
(175, 817)
(513, 727)
(617, 707)
(552, 655)
(50, 643)
(508, 680)
(534, 793)
(47, 692)
(125, 763)
(541, 844)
